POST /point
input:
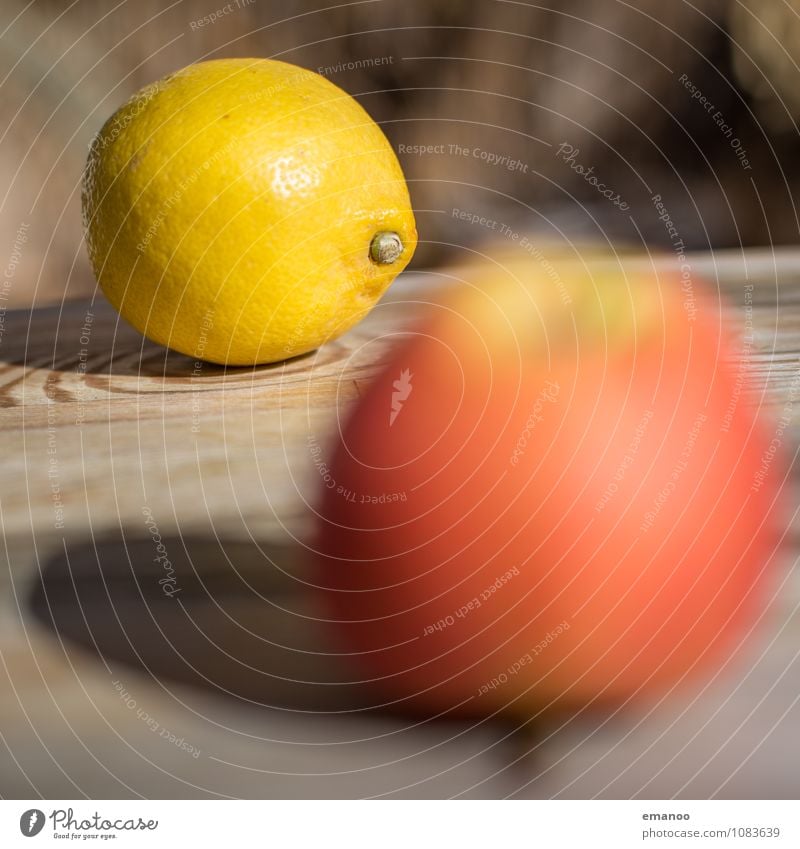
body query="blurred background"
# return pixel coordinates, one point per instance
(651, 125)
(697, 103)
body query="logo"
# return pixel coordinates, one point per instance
(31, 822)
(402, 387)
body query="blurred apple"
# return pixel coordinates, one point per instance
(555, 494)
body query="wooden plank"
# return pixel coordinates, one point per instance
(118, 423)
(110, 439)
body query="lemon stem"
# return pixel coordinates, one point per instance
(385, 247)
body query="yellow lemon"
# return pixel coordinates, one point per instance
(244, 211)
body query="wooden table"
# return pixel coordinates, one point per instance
(111, 688)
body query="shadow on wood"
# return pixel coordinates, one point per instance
(232, 617)
(89, 338)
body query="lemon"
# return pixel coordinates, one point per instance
(244, 211)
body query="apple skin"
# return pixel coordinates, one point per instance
(562, 510)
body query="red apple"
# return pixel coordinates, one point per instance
(554, 494)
